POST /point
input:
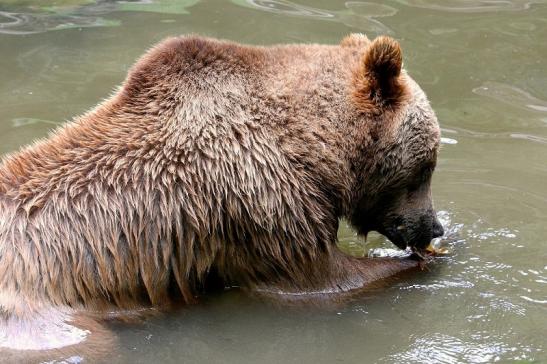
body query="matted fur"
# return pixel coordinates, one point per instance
(212, 157)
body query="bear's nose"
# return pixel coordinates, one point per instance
(437, 230)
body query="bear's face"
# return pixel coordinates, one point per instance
(394, 187)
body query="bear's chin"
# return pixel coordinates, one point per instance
(394, 237)
(417, 248)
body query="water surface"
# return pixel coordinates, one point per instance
(483, 65)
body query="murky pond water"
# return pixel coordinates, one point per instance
(483, 65)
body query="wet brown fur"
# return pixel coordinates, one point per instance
(212, 157)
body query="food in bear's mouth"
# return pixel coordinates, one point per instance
(429, 252)
(434, 251)
(424, 256)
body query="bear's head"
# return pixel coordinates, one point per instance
(399, 139)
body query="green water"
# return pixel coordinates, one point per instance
(483, 65)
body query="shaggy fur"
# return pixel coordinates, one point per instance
(212, 160)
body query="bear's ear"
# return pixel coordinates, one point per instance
(378, 80)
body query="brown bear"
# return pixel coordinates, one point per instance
(215, 164)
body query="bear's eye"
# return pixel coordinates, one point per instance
(427, 171)
(421, 177)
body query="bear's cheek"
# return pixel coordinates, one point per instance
(394, 227)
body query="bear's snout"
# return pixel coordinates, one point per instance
(426, 228)
(415, 230)
(438, 229)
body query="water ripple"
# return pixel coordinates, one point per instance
(286, 8)
(448, 141)
(357, 14)
(511, 95)
(529, 137)
(526, 298)
(470, 6)
(440, 348)
(30, 23)
(19, 122)
(442, 284)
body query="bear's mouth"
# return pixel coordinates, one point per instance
(420, 248)
(396, 237)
